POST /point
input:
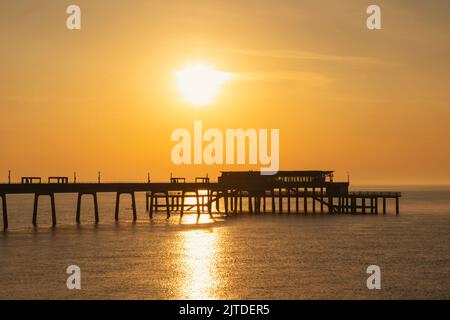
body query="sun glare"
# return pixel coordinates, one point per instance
(199, 83)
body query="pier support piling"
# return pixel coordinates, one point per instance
(372, 205)
(97, 219)
(133, 206)
(314, 200)
(353, 203)
(280, 199)
(273, 200)
(5, 212)
(35, 208)
(363, 205)
(116, 215)
(225, 201)
(209, 204)
(182, 205)
(330, 204)
(305, 201)
(376, 205)
(150, 209)
(198, 205)
(264, 202)
(167, 204)
(52, 202)
(288, 191)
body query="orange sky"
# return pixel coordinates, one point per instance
(372, 103)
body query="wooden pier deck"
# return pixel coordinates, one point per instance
(300, 192)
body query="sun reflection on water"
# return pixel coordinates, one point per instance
(199, 262)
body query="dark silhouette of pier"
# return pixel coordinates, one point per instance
(300, 192)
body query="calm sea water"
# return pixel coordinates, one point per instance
(246, 257)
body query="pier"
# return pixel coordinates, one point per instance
(299, 192)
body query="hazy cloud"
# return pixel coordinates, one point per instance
(295, 55)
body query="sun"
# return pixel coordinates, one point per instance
(199, 83)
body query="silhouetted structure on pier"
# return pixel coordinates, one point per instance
(302, 192)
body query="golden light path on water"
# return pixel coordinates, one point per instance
(199, 261)
(199, 255)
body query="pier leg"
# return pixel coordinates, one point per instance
(338, 204)
(210, 194)
(156, 203)
(35, 208)
(314, 200)
(78, 208)
(288, 200)
(205, 204)
(52, 202)
(397, 206)
(133, 206)
(116, 216)
(264, 202)
(297, 207)
(202, 202)
(94, 195)
(384, 205)
(280, 199)
(146, 201)
(182, 205)
(240, 201)
(371, 205)
(321, 200)
(250, 204)
(363, 205)
(150, 209)
(235, 199)
(217, 201)
(198, 205)
(168, 205)
(258, 203)
(5, 212)
(272, 193)
(353, 201)
(209, 204)
(232, 202)
(344, 204)
(225, 201)
(376, 205)
(330, 205)
(305, 201)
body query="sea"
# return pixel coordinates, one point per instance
(245, 256)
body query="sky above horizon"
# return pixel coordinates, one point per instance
(375, 104)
